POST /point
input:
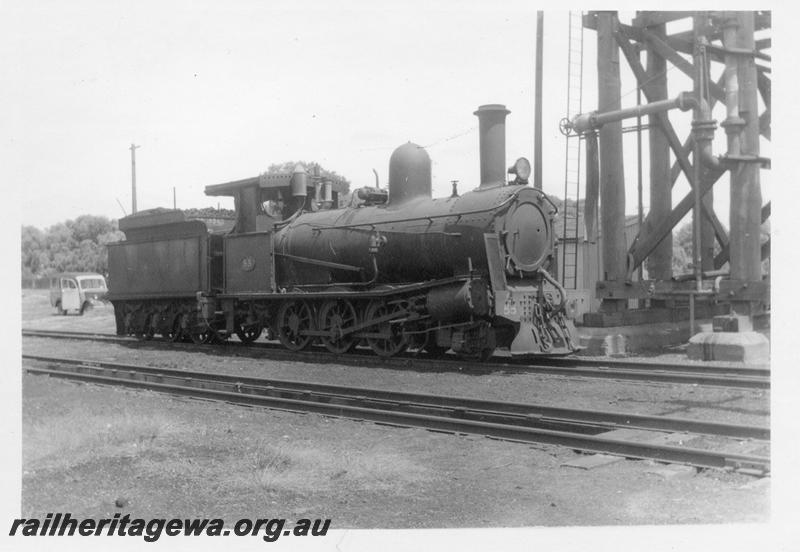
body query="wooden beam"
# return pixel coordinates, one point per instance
(765, 88)
(711, 34)
(649, 18)
(724, 255)
(765, 124)
(643, 247)
(763, 20)
(764, 44)
(663, 49)
(669, 132)
(677, 42)
(676, 170)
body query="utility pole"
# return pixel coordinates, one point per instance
(537, 123)
(133, 149)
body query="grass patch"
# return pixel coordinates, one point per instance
(304, 468)
(78, 436)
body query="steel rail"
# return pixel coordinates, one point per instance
(648, 372)
(523, 411)
(389, 407)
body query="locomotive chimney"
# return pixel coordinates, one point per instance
(492, 131)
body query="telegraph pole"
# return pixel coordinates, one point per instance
(537, 122)
(133, 149)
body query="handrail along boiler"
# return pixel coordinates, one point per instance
(399, 269)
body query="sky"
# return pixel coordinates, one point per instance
(213, 92)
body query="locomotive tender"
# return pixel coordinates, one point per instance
(399, 270)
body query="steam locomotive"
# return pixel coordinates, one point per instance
(395, 269)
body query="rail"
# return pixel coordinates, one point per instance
(584, 430)
(729, 375)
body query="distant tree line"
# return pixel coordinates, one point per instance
(75, 245)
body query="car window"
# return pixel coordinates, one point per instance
(92, 283)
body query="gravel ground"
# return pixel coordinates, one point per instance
(181, 457)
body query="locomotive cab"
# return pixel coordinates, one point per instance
(270, 198)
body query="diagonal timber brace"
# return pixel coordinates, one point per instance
(643, 246)
(667, 52)
(674, 142)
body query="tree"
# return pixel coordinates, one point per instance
(288, 167)
(682, 248)
(682, 257)
(32, 255)
(75, 245)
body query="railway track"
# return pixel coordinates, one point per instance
(584, 430)
(729, 375)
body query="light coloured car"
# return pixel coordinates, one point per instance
(77, 291)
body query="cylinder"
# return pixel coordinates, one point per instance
(492, 137)
(409, 173)
(459, 301)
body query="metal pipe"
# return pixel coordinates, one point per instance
(639, 178)
(696, 217)
(590, 121)
(592, 188)
(561, 291)
(733, 123)
(703, 127)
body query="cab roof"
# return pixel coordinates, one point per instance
(77, 275)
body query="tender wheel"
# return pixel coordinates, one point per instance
(394, 342)
(199, 333)
(295, 317)
(177, 332)
(336, 316)
(174, 331)
(149, 331)
(200, 337)
(247, 333)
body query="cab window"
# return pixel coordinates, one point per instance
(68, 284)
